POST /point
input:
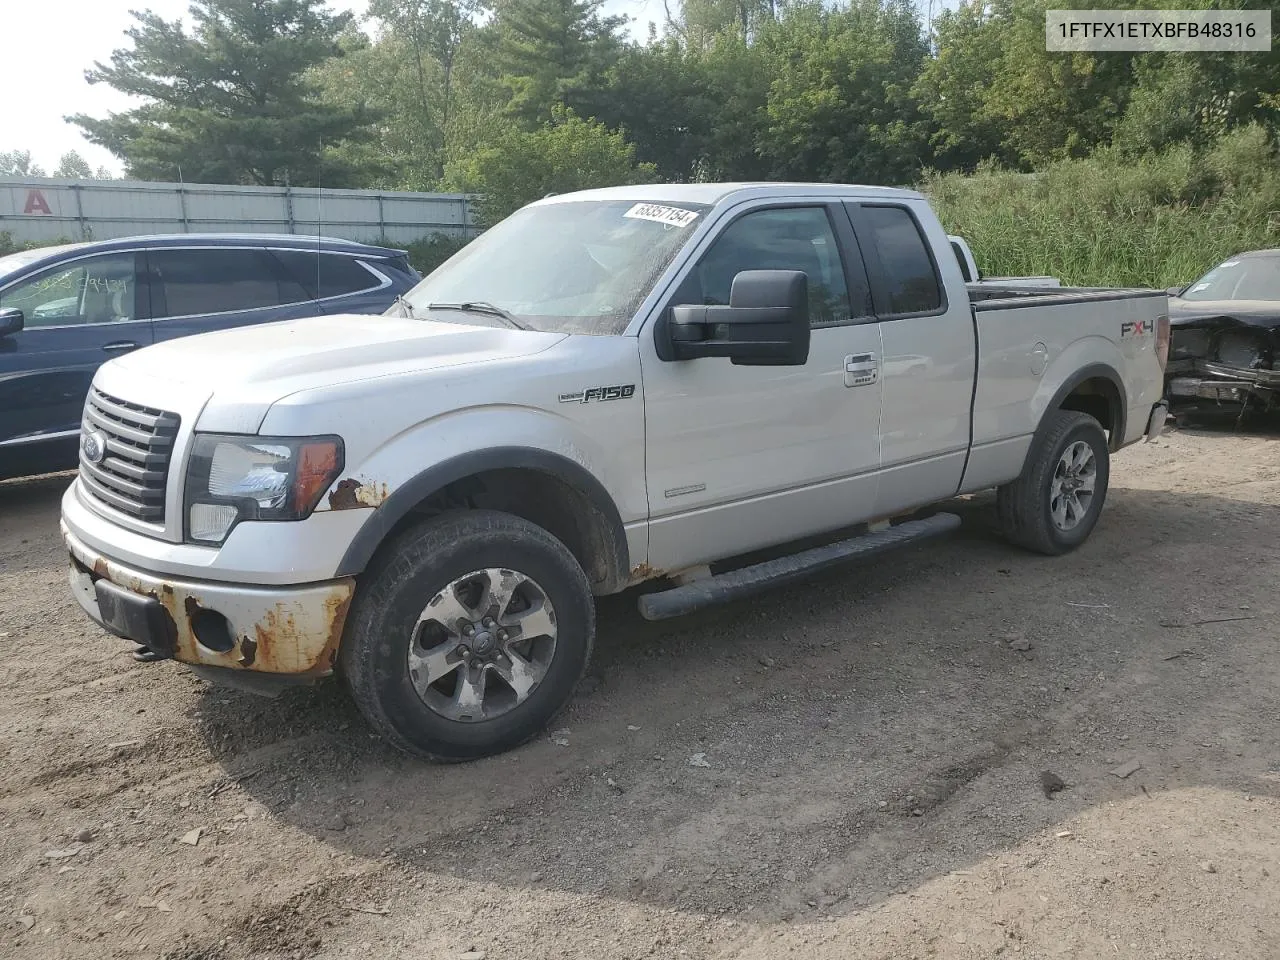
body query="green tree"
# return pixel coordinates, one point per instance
(1051, 105)
(737, 74)
(17, 163)
(955, 83)
(702, 22)
(433, 33)
(1198, 98)
(567, 154)
(72, 166)
(662, 98)
(232, 101)
(840, 105)
(553, 53)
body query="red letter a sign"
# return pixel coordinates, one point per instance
(36, 203)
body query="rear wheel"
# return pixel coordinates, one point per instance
(1053, 506)
(469, 634)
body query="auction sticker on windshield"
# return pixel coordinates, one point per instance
(660, 214)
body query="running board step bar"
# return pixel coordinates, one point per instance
(772, 573)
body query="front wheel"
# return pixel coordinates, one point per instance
(469, 634)
(1053, 506)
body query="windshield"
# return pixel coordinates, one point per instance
(16, 261)
(1240, 278)
(571, 267)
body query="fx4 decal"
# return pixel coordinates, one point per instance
(599, 393)
(1135, 328)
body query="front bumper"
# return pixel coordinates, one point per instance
(1207, 380)
(291, 631)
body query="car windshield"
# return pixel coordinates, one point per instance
(16, 261)
(1240, 278)
(579, 266)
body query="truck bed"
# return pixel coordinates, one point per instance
(1032, 343)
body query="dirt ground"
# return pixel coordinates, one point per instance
(853, 768)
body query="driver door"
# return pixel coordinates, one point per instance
(740, 457)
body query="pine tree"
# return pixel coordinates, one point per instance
(231, 100)
(554, 53)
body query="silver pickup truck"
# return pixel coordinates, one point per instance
(609, 387)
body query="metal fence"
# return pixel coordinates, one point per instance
(43, 210)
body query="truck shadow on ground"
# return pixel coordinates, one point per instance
(814, 749)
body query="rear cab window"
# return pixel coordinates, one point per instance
(904, 277)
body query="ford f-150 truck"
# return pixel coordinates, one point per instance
(608, 387)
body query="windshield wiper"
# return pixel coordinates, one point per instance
(483, 306)
(404, 305)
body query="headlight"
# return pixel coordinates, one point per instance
(232, 478)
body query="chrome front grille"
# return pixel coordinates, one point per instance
(137, 444)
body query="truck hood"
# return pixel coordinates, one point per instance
(235, 375)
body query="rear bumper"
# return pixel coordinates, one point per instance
(1156, 421)
(290, 631)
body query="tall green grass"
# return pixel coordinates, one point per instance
(1114, 221)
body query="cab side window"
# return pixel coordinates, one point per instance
(791, 238)
(911, 283)
(93, 290)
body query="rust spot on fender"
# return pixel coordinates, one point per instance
(191, 604)
(343, 496)
(643, 571)
(352, 494)
(248, 651)
(100, 567)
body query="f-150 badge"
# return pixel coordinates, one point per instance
(599, 393)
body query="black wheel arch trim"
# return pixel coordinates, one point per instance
(1094, 371)
(435, 478)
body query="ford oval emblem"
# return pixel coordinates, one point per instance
(94, 446)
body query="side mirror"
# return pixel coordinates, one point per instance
(765, 324)
(11, 321)
(1175, 291)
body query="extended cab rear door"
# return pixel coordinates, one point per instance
(740, 457)
(929, 351)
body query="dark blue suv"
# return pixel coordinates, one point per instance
(64, 311)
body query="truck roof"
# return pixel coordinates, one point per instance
(713, 193)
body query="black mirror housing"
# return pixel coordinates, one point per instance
(765, 324)
(11, 321)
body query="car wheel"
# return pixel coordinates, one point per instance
(1053, 506)
(468, 634)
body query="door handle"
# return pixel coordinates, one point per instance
(119, 346)
(861, 369)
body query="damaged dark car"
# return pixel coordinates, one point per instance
(1226, 336)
